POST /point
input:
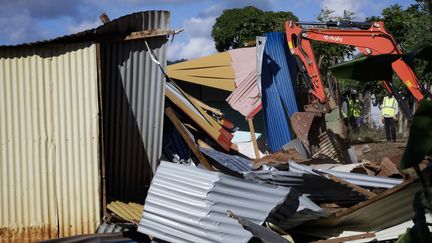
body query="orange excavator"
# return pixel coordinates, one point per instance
(369, 38)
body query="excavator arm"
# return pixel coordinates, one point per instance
(374, 40)
(369, 39)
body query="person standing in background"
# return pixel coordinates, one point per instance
(354, 111)
(390, 111)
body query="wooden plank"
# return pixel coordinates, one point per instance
(347, 238)
(183, 132)
(254, 141)
(104, 18)
(205, 106)
(148, 33)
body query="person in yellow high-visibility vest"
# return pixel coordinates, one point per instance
(389, 111)
(354, 108)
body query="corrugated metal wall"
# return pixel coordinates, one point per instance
(278, 90)
(133, 100)
(49, 142)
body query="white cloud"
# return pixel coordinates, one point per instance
(84, 25)
(17, 28)
(198, 29)
(199, 42)
(355, 6)
(193, 48)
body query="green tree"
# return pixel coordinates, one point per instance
(238, 27)
(328, 53)
(412, 29)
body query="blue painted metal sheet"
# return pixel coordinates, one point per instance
(278, 98)
(232, 162)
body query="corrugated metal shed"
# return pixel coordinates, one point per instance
(133, 100)
(49, 141)
(49, 127)
(278, 94)
(188, 204)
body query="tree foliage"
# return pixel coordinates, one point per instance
(412, 29)
(328, 54)
(239, 27)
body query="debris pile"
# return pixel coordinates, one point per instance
(208, 190)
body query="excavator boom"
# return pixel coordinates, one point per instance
(372, 40)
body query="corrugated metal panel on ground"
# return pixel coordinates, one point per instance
(246, 97)
(354, 178)
(387, 209)
(329, 146)
(315, 187)
(298, 146)
(133, 101)
(278, 94)
(232, 162)
(188, 204)
(49, 141)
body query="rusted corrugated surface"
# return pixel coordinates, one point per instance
(133, 100)
(49, 141)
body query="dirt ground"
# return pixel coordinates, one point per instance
(380, 149)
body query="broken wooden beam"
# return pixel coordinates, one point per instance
(184, 133)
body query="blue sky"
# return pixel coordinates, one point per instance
(31, 20)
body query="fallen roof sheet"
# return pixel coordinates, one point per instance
(213, 71)
(127, 211)
(331, 147)
(264, 234)
(186, 204)
(232, 162)
(298, 146)
(246, 97)
(391, 233)
(315, 187)
(392, 207)
(354, 178)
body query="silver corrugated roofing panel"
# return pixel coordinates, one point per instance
(354, 178)
(315, 187)
(186, 204)
(133, 99)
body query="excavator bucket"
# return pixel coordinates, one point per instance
(306, 126)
